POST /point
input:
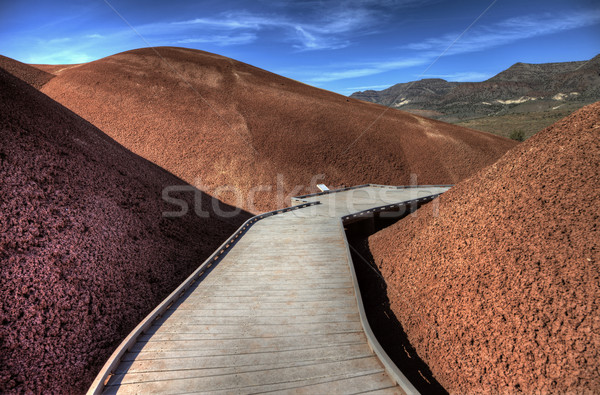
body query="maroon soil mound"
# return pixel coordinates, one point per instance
(54, 69)
(500, 293)
(32, 75)
(85, 252)
(214, 121)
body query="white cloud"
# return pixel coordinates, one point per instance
(95, 35)
(60, 40)
(221, 40)
(341, 72)
(467, 76)
(368, 87)
(330, 31)
(226, 22)
(61, 57)
(506, 32)
(311, 41)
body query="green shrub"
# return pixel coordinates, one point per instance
(518, 135)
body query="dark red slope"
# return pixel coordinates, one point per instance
(85, 252)
(214, 121)
(32, 75)
(500, 293)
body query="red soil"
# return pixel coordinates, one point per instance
(30, 74)
(85, 252)
(501, 292)
(165, 109)
(53, 68)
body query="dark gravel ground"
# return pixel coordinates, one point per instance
(85, 252)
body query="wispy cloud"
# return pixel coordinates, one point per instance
(220, 40)
(329, 32)
(368, 87)
(337, 72)
(59, 40)
(478, 39)
(65, 56)
(467, 76)
(311, 25)
(227, 21)
(507, 31)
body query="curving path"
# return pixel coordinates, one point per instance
(276, 308)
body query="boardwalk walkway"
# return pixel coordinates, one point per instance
(277, 308)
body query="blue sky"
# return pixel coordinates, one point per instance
(343, 46)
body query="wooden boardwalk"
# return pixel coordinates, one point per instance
(278, 310)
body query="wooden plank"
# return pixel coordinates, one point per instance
(190, 382)
(316, 270)
(226, 291)
(331, 353)
(270, 287)
(273, 352)
(236, 312)
(252, 330)
(251, 344)
(262, 304)
(297, 387)
(369, 383)
(192, 323)
(276, 276)
(395, 390)
(285, 282)
(289, 298)
(131, 377)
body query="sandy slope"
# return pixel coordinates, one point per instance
(500, 293)
(85, 252)
(214, 121)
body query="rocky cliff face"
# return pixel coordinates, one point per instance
(521, 88)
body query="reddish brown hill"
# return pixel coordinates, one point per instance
(85, 252)
(500, 293)
(30, 74)
(54, 68)
(214, 121)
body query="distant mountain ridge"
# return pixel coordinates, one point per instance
(538, 71)
(522, 88)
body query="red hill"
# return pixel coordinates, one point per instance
(32, 75)
(214, 121)
(500, 293)
(85, 252)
